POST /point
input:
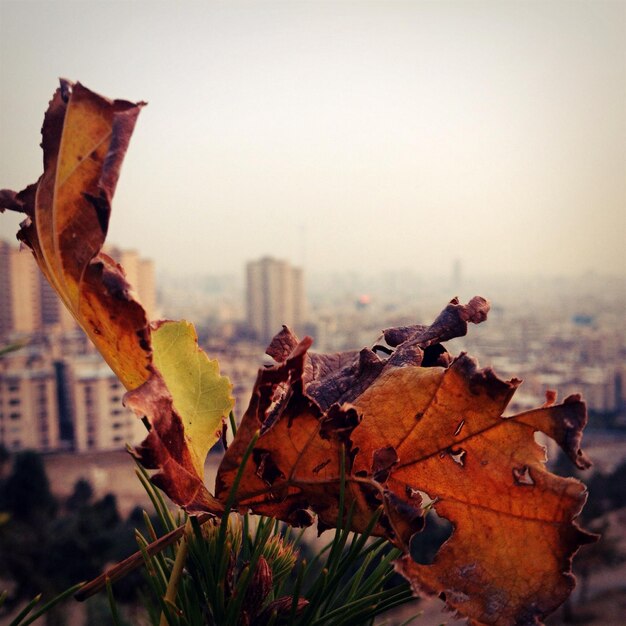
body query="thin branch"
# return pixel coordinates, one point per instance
(134, 561)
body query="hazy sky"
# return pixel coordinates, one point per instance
(348, 135)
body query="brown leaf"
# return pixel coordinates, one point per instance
(295, 465)
(412, 428)
(301, 408)
(84, 139)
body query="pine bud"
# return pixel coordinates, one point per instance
(259, 588)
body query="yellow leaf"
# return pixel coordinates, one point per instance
(186, 400)
(200, 395)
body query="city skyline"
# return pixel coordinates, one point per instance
(354, 137)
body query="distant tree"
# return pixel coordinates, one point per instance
(45, 552)
(26, 494)
(81, 496)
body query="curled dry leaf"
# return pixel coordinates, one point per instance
(179, 391)
(84, 140)
(420, 424)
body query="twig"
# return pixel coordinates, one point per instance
(133, 561)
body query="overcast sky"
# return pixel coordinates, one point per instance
(343, 135)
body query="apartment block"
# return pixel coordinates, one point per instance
(70, 402)
(20, 291)
(27, 302)
(29, 417)
(274, 296)
(100, 421)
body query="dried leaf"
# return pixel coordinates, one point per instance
(186, 401)
(508, 559)
(416, 425)
(302, 409)
(296, 462)
(85, 137)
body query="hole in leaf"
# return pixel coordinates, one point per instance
(458, 456)
(434, 356)
(412, 493)
(266, 470)
(522, 476)
(543, 441)
(425, 545)
(385, 350)
(459, 428)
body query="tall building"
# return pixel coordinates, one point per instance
(274, 296)
(100, 421)
(20, 291)
(28, 401)
(27, 302)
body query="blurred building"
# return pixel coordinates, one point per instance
(100, 421)
(56, 392)
(274, 296)
(29, 416)
(61, 395)
(27, 302)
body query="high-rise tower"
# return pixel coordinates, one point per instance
(20, 291)
(274, 296)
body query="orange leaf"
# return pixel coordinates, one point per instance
(508, 559)
(418, 424)
(295, 465)
(302, 409)
(85, 137)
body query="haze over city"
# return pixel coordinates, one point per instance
(343, 136)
